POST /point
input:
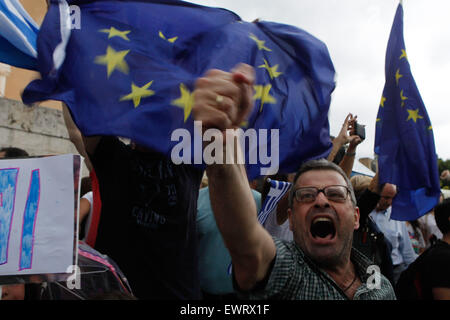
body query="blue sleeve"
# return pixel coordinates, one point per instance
(257, 197)
(406, 247)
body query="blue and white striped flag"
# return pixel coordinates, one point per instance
(277, 190)
(18, 35)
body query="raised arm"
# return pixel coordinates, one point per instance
(341, 139)
(347, 161)
(75, 136)
(251, 247)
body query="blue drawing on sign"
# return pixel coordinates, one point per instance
(29, 222)
(8, 182)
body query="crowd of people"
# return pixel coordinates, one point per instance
(175, 232)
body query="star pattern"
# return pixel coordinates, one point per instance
(263, 93)
(114, 60)
(260, 43)
(403, 55)
(185, 101)
(113, 32)
(171, 40)
(137, 93)
(383, 100)
(398, 76)
(273, 73)
(403, 98)
(414, 115)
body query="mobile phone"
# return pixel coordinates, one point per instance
(360, 130)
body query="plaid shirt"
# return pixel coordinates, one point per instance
(295, 277)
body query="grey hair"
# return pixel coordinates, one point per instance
(321, 164)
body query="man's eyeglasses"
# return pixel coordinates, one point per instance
(333, 193)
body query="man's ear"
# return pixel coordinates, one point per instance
(356, 215)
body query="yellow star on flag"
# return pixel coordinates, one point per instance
(403, 55)
(398, 76)
(430, 128)
(113, 32)
(137, 93)
(403, 98)
(383, 99)
(185, 101)
(114, 60)
(263, 93)
(414, 114)
(273, 73)
(260, 43)
(378, 120)
(171, 40)
(244, 124)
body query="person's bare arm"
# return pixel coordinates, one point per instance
(341, 139)
(337, 144)
(348, 160)
(251, 248)
(85, 207)
(91, 143)
(75, 136)
(374, 184)
(349, 135)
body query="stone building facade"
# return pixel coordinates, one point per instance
(38, 130)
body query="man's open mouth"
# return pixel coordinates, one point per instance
(323, 227)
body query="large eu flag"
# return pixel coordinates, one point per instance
(404, 139)
(130, 68)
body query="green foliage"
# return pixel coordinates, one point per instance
(443, 165)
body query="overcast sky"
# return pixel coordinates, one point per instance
(356, 33)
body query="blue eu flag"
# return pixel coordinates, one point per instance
(130, 68)
(404, 139)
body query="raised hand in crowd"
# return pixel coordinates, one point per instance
(222, 100)
(347, 135)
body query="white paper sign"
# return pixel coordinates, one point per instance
(37, 216)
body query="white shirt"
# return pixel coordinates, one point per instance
(397, 234)
(280, 231)
(429, 222)
(89, 197)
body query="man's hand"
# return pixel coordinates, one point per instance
(345, 136)
(353, 138)
(354, 142)
(244, 76)
(348, 125)
(222, 100)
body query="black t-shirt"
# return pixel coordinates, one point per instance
(435, 269)
(430, 270)
(147, 223)
(368, 238)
